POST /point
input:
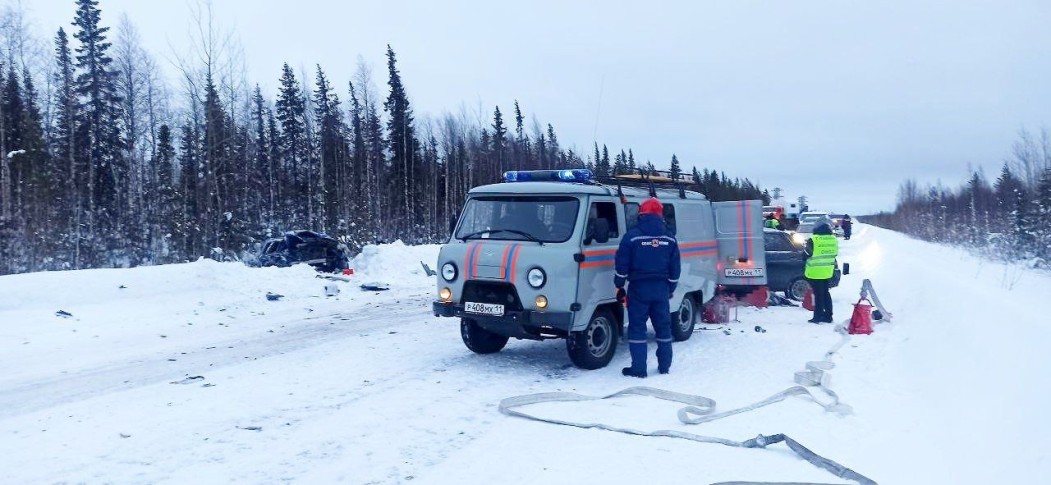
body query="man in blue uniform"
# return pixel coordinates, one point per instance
(648, 258)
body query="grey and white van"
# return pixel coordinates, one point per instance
(533, 258)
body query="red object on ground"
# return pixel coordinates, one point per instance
(718, 309)
(808, 299)
(348, 271)
(759, 298)
(861, 320)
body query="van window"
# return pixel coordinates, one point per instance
(607, 211)
(515, 218)
(669, 218)
(631, 214)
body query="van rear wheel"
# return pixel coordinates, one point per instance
(480, 340)
(684, 320)
(593, 347)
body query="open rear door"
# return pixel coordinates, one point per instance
(739, 231)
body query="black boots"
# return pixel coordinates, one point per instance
(630, 372)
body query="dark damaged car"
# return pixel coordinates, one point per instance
(317, 249)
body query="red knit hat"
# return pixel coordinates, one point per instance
(651, 206)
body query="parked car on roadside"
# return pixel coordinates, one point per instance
(317, 249)
(785, 263)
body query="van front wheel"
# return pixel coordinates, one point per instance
(593, 347)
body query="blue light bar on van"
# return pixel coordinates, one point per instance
(573, 175)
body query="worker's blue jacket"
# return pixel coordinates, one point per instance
(648, 257)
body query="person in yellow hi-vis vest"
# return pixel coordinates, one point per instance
(821, 250)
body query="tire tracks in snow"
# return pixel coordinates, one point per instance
(37, 394)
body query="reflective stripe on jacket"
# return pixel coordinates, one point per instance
(821, 265)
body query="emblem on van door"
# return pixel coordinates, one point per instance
(655, 243)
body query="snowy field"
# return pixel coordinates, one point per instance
(188, 374)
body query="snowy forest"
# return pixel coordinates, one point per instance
(1006, 218)
(107, 161)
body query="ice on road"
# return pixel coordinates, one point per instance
(187, 373)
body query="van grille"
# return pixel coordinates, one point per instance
(492, 292)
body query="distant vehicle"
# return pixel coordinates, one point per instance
(314, 248)
(837, 228)
(785, 263)
(815, 217)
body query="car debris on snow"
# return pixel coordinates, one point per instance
(63, 314)
(188, 380)
(273, 296)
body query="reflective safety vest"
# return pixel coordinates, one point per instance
(772, 223)
(822, 264)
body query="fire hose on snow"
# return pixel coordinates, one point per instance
(700, 409)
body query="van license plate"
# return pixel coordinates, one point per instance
(744, 272)
(484, 308)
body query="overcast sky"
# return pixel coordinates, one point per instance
(838, 100)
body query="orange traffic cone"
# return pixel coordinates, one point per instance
(808, 299)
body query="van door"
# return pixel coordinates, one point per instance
(595, 283)
(739, 232)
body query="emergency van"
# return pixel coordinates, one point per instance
(533, 258)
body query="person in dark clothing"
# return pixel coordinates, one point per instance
(846, 224)
(648, 259)
(821, 251)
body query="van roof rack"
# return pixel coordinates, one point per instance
(650, 179)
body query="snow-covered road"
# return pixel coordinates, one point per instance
(368, 387)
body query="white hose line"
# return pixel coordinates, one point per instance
(700, 409)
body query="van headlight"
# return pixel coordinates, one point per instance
(449, 271)
(799, 238)
(536, 277)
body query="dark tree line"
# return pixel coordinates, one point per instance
(101, 170)
(1007, 218)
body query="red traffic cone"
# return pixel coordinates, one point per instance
(808, 299)
(861, 320)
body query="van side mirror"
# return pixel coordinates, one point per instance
(598, 231)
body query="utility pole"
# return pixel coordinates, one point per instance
(777, 193)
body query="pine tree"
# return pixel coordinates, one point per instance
(520, 147)
(620, 163)
(332, 146)
(602, 164)
(499, 139)
(676, 169)
(166, 215)
(289, 111)
(66, 177)
(190, 189)
(402, 140)
(99, 131)
(553, 148)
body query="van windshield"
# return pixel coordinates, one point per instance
(543, 219)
